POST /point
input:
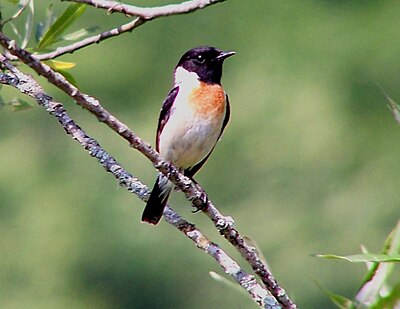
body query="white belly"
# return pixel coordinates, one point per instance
(187, 138)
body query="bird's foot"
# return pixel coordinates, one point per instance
(200, 202)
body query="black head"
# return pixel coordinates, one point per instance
(206, 62)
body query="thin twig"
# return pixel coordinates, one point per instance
(16, 14)
(128, 27)
(144, 16)
(149, 13)
(27, 85)
(193, 192)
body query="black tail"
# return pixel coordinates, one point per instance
(158, 199)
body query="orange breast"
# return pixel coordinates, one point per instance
(208, 100)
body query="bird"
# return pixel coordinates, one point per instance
(192, 119)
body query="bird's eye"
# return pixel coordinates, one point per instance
(199, 59)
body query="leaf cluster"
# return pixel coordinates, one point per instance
(48, 33)
(376, 290)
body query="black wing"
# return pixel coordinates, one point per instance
(227, 116)
(193, 170)
(166, 112)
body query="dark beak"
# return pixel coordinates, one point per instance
(224, 54)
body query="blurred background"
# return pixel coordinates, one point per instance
(308, 164)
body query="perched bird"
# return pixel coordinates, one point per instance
(191, 121)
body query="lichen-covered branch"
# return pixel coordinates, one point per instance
(193, 192)
(261, 296)
(27, 85)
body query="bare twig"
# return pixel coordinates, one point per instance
(193, 192)
(16, 14)
(128, 27)
(27, 85)
(145, 14)
(149, 13)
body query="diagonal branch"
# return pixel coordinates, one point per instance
(149, 13)
(193, 192)
(27, 85)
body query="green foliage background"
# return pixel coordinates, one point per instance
(308, 164)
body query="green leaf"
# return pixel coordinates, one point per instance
(22, 5)
(254, 244)
(19, 105)
(42, 27)
(68, 76)
(217, 277)
(392, 242)
(60, 65)
(340, 301)
(15, 30)
(391, 300)
(393, 106)
(79, 34)
(51, 17)
(377, 277)
(71, 14)
(363, 257)
(28, 24)
(227, 282)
